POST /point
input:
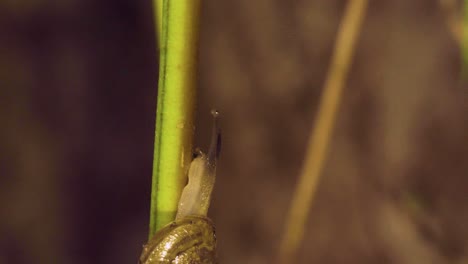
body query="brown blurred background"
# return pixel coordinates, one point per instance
(77, 100)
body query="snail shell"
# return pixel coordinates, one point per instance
(191, 239)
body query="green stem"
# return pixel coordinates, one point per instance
(178, 42)
(158, 14)
(464, 40)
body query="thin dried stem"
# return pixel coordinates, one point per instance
(321, 134)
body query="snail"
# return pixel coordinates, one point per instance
(191, 237)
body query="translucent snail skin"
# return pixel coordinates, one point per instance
(191, 237)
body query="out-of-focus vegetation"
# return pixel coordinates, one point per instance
(77, 100)
(323, 129)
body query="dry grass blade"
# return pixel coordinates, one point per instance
(321, 134)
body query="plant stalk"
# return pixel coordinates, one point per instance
(177, 24)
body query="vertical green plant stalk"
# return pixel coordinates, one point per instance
(158, 15)
(177, 24)
(464, 41)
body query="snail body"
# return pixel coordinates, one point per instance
(190, 239)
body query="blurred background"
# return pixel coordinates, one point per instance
(78, 83)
